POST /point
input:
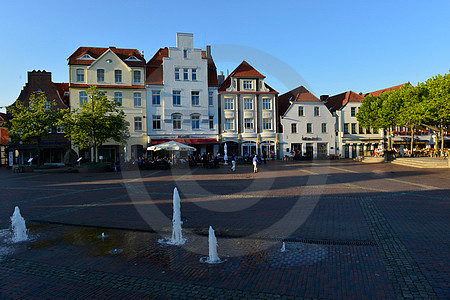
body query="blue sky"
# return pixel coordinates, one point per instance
(333, 46)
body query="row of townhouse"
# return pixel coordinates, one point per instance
(177, 95)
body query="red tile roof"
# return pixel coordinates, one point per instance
(96, 52)
(155, 68)
(299, 94)
(338, 101)
(392, 88)
(244, 70)
(63, 91)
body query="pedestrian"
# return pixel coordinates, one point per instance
(233, 163)
(255, 164)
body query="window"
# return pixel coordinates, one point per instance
(156, 122)
(210, 99)
(80, 75)
(195, 122)
(346, 128)
(49, 130)
(118, 76)
(137, 123)
(368, 130)
(59, 129)
(211, 122)
(185, 53)
(176, 97)
(176, 121)
(137, 99)
(100, 75)
(353, 111)
(229, 103)
(354, 128)
(137, 76)
(293, 128)
(108, 61)
(316, 111)
(248, 123)
(361, 130)
(118, 98)
(194, 74)
(248, 103)
(309, 128)
(83, 98)
(156, 97)
(234, 83)
(324, 127)
(177, 73)
(300, 111)
(267, 103)
(229, 124)
(195, 97)
(248, 84)
(185, 74)
(267, 124)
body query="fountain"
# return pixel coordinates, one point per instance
(283, 247)
(213, 258)
(177, 235)
(225, 156)
(18, 227)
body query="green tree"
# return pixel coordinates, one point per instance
(437, 104)
(95, 122)
(34, 121)
(388, 115)
(412, 112)
(368, 112)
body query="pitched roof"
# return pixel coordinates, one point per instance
(3, 118)
(299, 94)
(244, 70)
(155, 68)
(379, 92)
(63, 91)
(96, 52)
(338, 101)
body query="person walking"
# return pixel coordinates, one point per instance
(255, 164)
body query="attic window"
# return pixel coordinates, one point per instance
(133, 58)
(86, 56)
(108, 61)
(66, 93)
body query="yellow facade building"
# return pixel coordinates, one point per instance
(120, 73)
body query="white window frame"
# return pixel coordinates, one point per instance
(118, 98)
(211, 98)
(194, 74)
(83, 98)
(247, 84)
(211, 122)
(176, 95)
(248, 103)
(229, 124)
(301, 111)
(118, 76)
(267, 124)
(80, 75)
(185, 74)
(267, 104)
(100, 78)
(316, 111)
(293, 127)
(134, 76)
(176, 118)
(60, 129)
(228, 103)
(156, 97)
(324, 128)
(137, 99)
(309, 128)
(138, 121)
(195, 122)
(156, 119)
(177, 73)
(248, 123)
(195, 95)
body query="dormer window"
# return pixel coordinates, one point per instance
(80, 75)
(85, 56)
(132, 58)
(248, 84)
(108, 61)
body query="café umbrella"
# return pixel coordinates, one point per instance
(171, 146)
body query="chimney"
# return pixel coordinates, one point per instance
(324, 98)
(39, 77)
(221, 78)
(112, 47)
(208, 51)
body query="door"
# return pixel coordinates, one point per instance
(309, 151)
(322, 150)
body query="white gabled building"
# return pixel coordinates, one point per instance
(308, 126)
(182, 102)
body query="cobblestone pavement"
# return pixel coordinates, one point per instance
(352, 231)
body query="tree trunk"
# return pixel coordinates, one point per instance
(95, 152)
(442, 141)
(389, 139)
(412, 141)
